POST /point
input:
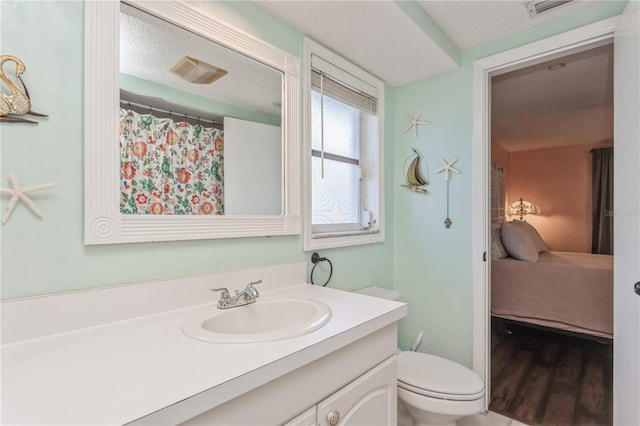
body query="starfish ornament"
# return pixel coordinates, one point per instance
(18, 193)
(448, 168)
(414, 122)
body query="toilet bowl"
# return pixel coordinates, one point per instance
(433, 390)
(436, 391)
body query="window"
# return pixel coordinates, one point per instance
(343, 152)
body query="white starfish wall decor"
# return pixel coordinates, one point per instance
(414, 122)
(18, 193)
(448, 168)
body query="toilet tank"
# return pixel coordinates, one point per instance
(385, 293)
(382, 293)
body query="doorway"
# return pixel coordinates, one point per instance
(572, 41)
(551, 348)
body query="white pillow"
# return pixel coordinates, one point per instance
(518, 242)
(497, 248)
(541, 246)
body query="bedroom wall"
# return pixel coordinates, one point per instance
(558, 181)
(499, 156)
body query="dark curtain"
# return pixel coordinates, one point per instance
(602, 184)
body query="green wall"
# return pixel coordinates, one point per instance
(144, 87)
(432, 264)
(44, 256)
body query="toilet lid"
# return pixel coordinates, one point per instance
(437, 377)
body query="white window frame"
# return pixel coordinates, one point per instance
(371, 161)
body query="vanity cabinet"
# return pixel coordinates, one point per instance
(369, 400)
(308, 418)
(347, 365)
(358, 381)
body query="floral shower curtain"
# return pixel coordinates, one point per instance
(169, 167)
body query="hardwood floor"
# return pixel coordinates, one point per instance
(545, 378)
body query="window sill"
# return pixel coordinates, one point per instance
(342, 239)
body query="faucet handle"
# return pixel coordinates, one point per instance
(254, 291)
(224, 296)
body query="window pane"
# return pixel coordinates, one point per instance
(341, 127)
(335, 199)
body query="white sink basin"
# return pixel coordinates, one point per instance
(266, 320)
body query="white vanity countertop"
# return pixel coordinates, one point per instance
(119, 372)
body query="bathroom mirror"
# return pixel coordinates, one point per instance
(105, 221)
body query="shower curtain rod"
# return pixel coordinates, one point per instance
(186, 116)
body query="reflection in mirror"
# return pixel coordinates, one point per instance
(255, 93)
(199, 124)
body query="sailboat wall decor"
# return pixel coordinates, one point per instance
(414, 178)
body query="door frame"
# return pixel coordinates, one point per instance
(578, 39)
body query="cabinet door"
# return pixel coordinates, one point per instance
(308, 418)
(370, 400)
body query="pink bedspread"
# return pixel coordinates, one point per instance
(570, 291)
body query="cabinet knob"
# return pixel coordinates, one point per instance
(333, 417)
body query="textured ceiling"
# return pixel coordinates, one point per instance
(471, 23)
(396, 42)
(149, 47)
(376, 35)
(535, 107)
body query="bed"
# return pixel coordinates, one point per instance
(566, 291)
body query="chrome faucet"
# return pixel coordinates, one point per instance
(244, 297)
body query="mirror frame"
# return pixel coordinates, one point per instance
(103, 221)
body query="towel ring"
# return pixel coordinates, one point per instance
(315, 259)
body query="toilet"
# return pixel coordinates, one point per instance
(432, 390)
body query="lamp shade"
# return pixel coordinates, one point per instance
(522, 208)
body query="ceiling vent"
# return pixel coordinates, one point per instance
(196, 71)
(536, 8)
